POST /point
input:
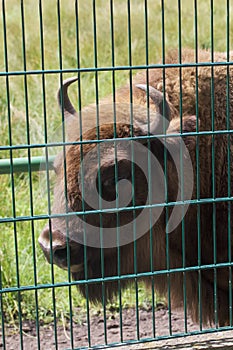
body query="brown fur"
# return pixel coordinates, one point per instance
(212, 233)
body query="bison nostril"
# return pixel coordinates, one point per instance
(60, 255)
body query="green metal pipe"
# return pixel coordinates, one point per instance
(19, 165)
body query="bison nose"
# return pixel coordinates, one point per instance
(54, 246)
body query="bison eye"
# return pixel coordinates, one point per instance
(108, 189)
(109, 182)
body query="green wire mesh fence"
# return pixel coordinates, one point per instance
(161, 170)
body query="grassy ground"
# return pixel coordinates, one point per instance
(19, 250)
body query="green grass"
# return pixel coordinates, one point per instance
(19, 243)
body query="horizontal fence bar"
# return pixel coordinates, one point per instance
(115, 210)
(128, 343)
(17, 165)
(114, 139)
(116, 68)
(131, 276)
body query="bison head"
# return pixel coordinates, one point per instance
(108, 195)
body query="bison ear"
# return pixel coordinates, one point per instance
(189, 125)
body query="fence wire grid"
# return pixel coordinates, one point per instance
(142, 177)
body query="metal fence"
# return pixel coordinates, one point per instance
(104, 44)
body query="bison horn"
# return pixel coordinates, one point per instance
(162, 119)
(62, 95)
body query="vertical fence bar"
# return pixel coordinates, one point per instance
(116, 167)
(213, 162)
(228, 126)
(47, 157)
(181, 162)
(11, 172)
(95, 48)
(65, 172)
(198, 170)
(82, 173)
(132, 163)
(165, 175)
(29, 163)
(149, 165)
(40, 5)
(11, 161)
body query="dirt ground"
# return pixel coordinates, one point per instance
(47, 336)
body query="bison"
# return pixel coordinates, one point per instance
(198, 250)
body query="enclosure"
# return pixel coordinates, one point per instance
(104, 43)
